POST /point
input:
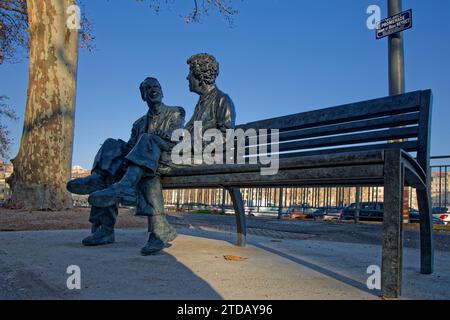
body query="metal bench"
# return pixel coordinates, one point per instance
(381, 142)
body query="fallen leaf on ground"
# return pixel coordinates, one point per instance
(234, 258)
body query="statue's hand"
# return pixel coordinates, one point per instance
(162, 134)
(162, 143)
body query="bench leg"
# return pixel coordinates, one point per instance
(392, 255)
(426, 232)
(238, 205)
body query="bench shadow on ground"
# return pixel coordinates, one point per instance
(231, 238)
(329, 273)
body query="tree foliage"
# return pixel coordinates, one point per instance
(199, 9)
(14, 38)
(5, 112)
(14, 29)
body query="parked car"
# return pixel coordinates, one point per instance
(444, 217)
(439, 210)
(193, 206)
(369, 211)
(327, 213)
(414, 217)
(374, 212)
(227, 209)
(250, 211)
(270, 208)
(215, 209)
(442, 213)
(302, 211)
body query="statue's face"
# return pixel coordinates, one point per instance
(152, 92)
(194, 84)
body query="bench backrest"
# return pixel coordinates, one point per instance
(401, 121)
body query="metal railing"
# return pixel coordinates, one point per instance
(440, 179)
(314, 197)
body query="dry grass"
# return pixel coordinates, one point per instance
(78, 218)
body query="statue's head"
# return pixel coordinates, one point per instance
(203, 71)
(151, 91)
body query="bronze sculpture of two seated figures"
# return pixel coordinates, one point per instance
(128, 173)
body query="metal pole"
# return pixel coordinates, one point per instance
(445, 189)
(440, 187)
(397, 71)
(396, 54)
(280, 203)
(224, 195)
(358, 203)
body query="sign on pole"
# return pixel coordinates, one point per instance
(397, 23)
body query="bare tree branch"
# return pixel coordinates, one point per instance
(5, 140)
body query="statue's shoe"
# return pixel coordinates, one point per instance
(153, 245)
(113, 195)
(102, 236)
(95, 227)
(86, 185)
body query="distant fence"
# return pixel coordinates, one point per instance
(286, 197)
(440, 181)
(314, 197)
(276, 197)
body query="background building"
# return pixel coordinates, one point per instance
(5, 172)
(80, 200)
(79, 172)
(440, 193)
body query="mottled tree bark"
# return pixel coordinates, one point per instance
(43, 164)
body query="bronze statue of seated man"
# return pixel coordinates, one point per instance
(120, 166)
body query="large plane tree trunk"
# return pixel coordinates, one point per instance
(43, 164)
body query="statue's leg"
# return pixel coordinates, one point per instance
(103, 221)
(95, 218)
(152, 205)
(145, 153)
(107, 163)
(110, 158)
(104, 216)
(142, 160)
(158, 223)
(105, 170)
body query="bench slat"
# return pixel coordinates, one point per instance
(370, 157)
(356, 126)
(393, 105)
(342, 175)
(347, 139)
(409, 146)
(374, 136)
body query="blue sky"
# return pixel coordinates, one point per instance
(280, 57)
